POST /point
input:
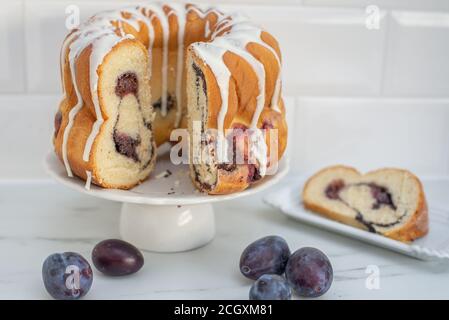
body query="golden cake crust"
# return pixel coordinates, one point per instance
(416, 227)
(242, 94)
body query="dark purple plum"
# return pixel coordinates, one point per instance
(115, 257)
(309, 272)
(67, 276)
(270, 287)
(268, 255)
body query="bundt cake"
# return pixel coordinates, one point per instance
(132, 76)
(390, 202)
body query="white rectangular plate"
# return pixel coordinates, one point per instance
(435, 245)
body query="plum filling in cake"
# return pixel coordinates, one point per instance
(58, 121)
(253, 173)
(332, 191)
(127, 83)
(204, 169)
(267, 125)
(365, 199)
(130, 121)
(126, 145)
(235, 157)
(382, 196)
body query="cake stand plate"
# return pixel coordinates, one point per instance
(165, 213)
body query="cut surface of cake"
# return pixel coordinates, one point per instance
(132, 76)
(390, 202)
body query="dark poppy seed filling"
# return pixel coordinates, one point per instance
(368, 225)
(58, 122)
(127, 83)
(126, 145)
(200, 81)
(203, 185)
(199, 76)
(171, 103)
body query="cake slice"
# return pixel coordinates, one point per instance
(107, 135)
(390, 202)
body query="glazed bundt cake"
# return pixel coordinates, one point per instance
(132, 76)
(390, 202)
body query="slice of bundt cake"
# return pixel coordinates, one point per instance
(233, 102)
(390, 202)
(112, 145)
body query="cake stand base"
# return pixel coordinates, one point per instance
(166, 213)
(167, 228)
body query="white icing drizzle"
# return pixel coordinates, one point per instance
(97, 31)
(150, 47)
(83, 39)
(157, 9)
(240, 22)
(259, 149)
(88, 180)
(213, 57)
(100, 48)
(100, 32)
(243, 33)
(62, 57)
(202, 11)
(207, 29)
(180, 11)
(138, 16)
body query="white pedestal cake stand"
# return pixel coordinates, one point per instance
(165, 213)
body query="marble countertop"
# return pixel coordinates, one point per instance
(40, 218)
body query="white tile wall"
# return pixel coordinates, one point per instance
(248, 2)
(327, 51)
(26, 126)
(384, 4)
(12, 71)
(44, 32)
(417, 61)
(372, 133)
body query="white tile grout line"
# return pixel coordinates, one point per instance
(13, 97)
(377, 99)
(386, 45)
(24, 40)
(447, 154)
